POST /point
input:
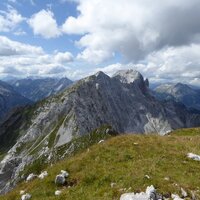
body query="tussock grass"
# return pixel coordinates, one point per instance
(124, 160)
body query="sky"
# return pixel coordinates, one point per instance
(76, 38)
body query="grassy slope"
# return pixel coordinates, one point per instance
(124, 160)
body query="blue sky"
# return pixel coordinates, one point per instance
(76, 38)
(27, 8)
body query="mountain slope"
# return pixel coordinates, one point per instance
(37, 89)
(122, 101)
(180, 93)
(127, 163)
(9, 99)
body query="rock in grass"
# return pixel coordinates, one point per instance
(31, 177)
(43, 175)
(60, 179)
(58, 192)
(64, 173)
(133, 196)
(26, 196)
(193, 156)
(112, 185)
(21, 192)
(147, 176)
(101, 141)
(183, 193)
(149, 194)
(176, 197)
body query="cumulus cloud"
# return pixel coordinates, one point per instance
(65, 57)
(9, 19)
(25, 60)
(132, 28)
(9, 47)
(43, 23)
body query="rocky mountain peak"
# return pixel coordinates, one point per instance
(129, 76)
(101, 75)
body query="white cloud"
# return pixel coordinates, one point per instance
(43, 23)
(9, 19)
(132, 28)
(63, 57)
(19, 59)
(9, 48)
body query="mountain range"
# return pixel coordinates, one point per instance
(179, 92)
(10, 99)
(37, 89)
(123, 101)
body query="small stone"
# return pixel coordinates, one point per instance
(183, 193)
(193, 195)
(26, 196)
(60, 180)
(133, 196)
(176, 197)
(64, 173)
(150, 190)
(58, 192)
(43, 175)
(112, 185)
(166, 178)
(31, 177)
(101, 141)
(107, 130)
(147, 176)
(149, 194)
(193, 156)
(21, 192)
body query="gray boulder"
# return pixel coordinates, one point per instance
(26, 196)
(60, 179)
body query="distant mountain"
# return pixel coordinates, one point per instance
(37, 89)
(123, 102)
(179, 92)
(10, 99)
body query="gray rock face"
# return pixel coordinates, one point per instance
(123, 101)
(9, 99)
(37, 89)
(180, 93)
(60, 180)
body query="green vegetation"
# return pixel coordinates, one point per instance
(124, 160)
(187, 132)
